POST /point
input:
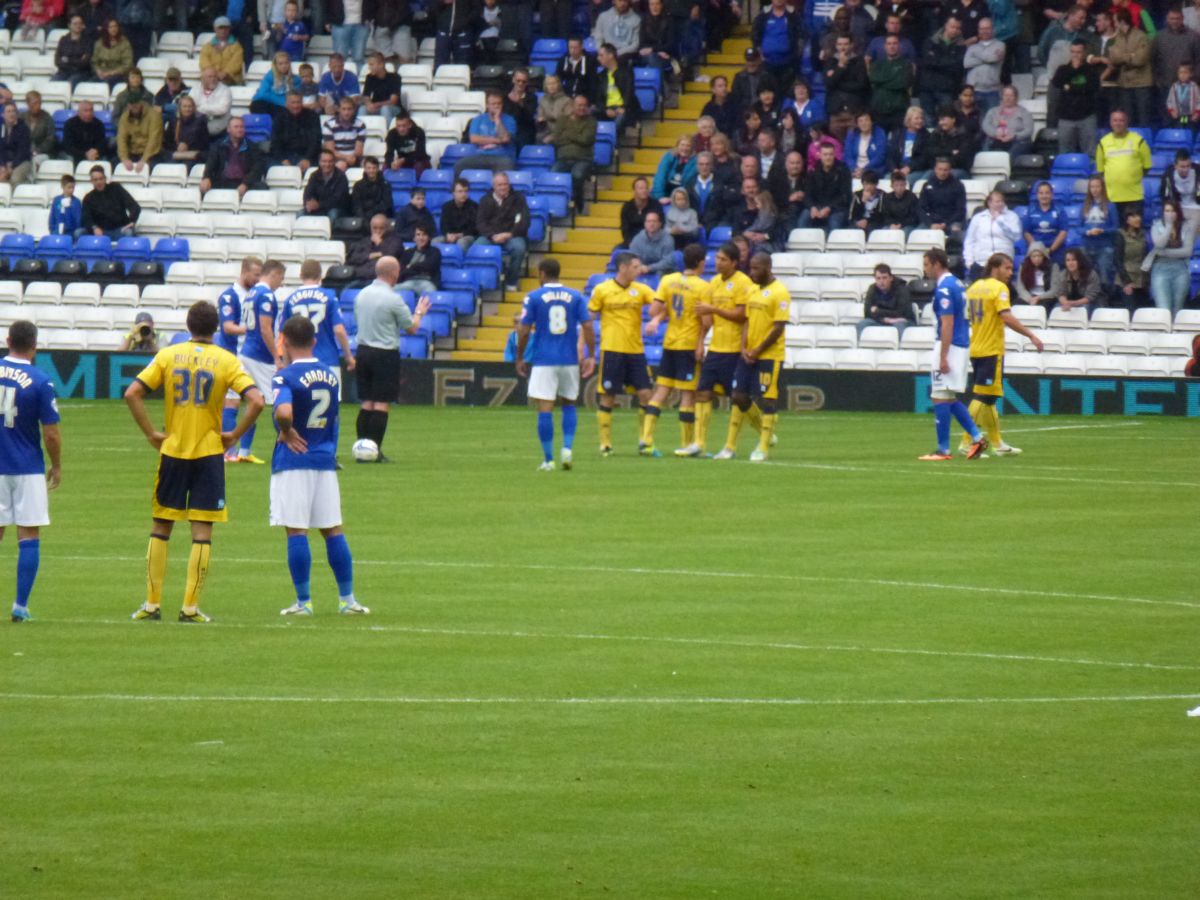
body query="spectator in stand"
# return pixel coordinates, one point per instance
(801, 110)
(1009, 126)
(460, 217)
(847, 86)
(137, 22)
(108, 210)
(620, 27)
(345, 135)
(657, 40)
(1191, 16)
(392, 32)
(892, 25)
(1123, 158)
(941, 69)
(504, 221)
(1179, 183)
(234, 163)
(139, 136)
(296, 135)
(135, 91)
(420, 264)
(706, 129)
(112, 55)
(36, 15)
(779, 34)
(365, 253)
(791, 201)
(950, 141)
(327, 192)
(214, 101)
(763, 227)
(41, 128)
(1078, 85)
(414, 214)
(66, 212)
(490, 23)
(1077, 284)
(827, 191)
(1130, 51)
(16, 149)
(747, 83)
(887, 302)
(683, 224)
(704, 192)
(83, 135)
(898, 211)
(1045, 222)
(819, 138)
(674, 169)
(574, 139)
(1130, 252)
(578, 70)
(722, 108)
(970, 13)
(968, 116)
(866, 146)
(1110, 90)
(892, 79)
(633, 211)
(862, 23)
(771, 167)
(615, 99)
(552, 106)
(187, 138)
(272, 92)
(96, 14)
(167, 96)
(653, 246)
(994, 229)
(223, 54)
(371, 194)
(346, 22)
(908, 149)
(1173, 47)
(864, 205)
(291, 36)
(73, 56)
(1183, 100)
(1172, 238)
(1099, 219)
(1036, 277)
(983, 62)
(493, 135)
(725, 164)
(746, 139)
(406, 146)
(521, 105)
(943, 201)
(310, 91)
(839, 26)
(766, 106)
(381, 90)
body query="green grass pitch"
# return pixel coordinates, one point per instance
(844, 674)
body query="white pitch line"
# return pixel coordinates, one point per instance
(1010, 475)
(1074, 427)
(592, 701)
(311, 627)
(695, 573)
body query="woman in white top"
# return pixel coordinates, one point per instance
(1172, 238)
(994, 229)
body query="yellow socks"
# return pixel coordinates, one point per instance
(755, 417)
(736, 417)
(768, 429)
(604, 420)
(989, 421)
(649, 423)
(196, 573)
(687, 425)
(703, 415)
(156, 570)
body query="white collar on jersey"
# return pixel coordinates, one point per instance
(18, 359)
(306, 359)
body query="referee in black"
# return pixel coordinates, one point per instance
(382, 317)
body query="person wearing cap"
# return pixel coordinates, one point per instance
(142, 338)
(748, 82)
(224, 54)
(135, 90)
(167, 98)
(139, 136)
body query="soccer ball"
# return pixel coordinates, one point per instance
(365, 450)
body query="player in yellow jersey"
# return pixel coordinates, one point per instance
(756, 380)
(724, 310)
(190, 484)
(989, 309)
(683, 344)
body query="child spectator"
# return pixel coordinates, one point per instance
(864, 208)
(309, 90)
(1183, 100)
(291, 36)
(414, 214)
(682, 223)
(66, 212)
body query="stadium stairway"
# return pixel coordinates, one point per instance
(584, 248)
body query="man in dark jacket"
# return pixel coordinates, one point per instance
(365, 253)
(827, 191)
(327, 192)
(887, 302)
(16, 148)
(898, 210)
(748, 82)
(614, 97)
(414, 215)
(847, 86)
(950, 141)
(296, 135)
(108, 209)
(73, 56)
(578, 70)
(234, 162)
(460, 217)
(504, 221)
(421, 264)
(790, 201)
(940, 73)
(633, 211)
(704, 192)
(372, 195)
(943, 203)
(83, 135)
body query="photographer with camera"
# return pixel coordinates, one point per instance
(143, 338)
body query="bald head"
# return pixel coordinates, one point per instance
(388, 269)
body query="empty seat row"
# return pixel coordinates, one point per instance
(865, 359)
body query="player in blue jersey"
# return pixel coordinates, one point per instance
(258, 356)
(319, 306)
(951, 351)
(556, 313)
(304, 485)
(229, 305)
(26, 401)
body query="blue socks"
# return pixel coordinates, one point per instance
(941, 418)
(963, 415)
(229, 418)
(569, 421)
(28, 559)
(545, 429)
(337, 551)
(300, 565)
(247, 440)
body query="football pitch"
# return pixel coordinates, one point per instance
(841, 674)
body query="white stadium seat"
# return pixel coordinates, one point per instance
(1110, 365)
(1087, 340)
(810, 359)
(859, 359)
(797, 336)
(837, 336)
(817, 313)
(806, 239)
(1171, 345)
(81, 293)
(1150, 367)
(1023, 363)
(1031, 316)
(1151, 319)
(850, 240)
(1110, 319)
(1187, 320)
(901, 361)
(879, 337)
(917, 337)
(1065, 364)
(1076, 317)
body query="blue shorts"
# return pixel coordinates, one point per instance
(623, 370)
(190, 489)
(760, 381)
(679, 369)
(716, 374)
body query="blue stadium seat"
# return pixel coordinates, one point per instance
(463, 300)
(458, 279)
(589, 45)
(346, 301)
(400, 178)
(1078, 165)
(1147, 135)
(53, 247)
(536, 158)
(592, 281)
(1074, 213)
(414, 346)
(132, 249)
(1160, 161)
(480, 179)
(1172, 139)
(60, 117)
(409, 298)
(654, 353)
(451, 253)
(647, 85)
(539, 219)
(91, 247)
(169, 250)
(435, 200)
(452, 155)
(16, 246)
(437, 178)
(606, 144)
(402, 198)
(1194, 267)
(349, 322)
(547, 52)
(258, 127)
(718, 236)
(485, 261)
(110, 127)
(557, 189)
(437, 323)
(521, 181)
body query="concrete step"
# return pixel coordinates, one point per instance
(477, 355)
